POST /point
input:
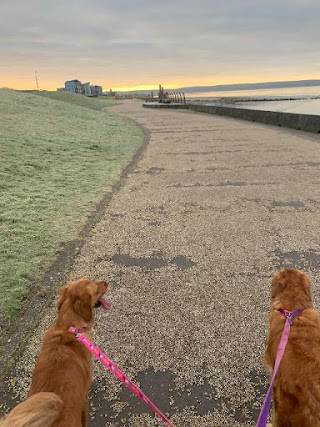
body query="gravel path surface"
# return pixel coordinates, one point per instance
(189, 245)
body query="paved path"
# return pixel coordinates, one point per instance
(189, 245)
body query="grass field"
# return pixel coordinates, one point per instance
(95, 103)
(58, 159)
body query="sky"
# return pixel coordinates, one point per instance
(134, 44)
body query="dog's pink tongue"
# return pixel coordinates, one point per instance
(105, 304)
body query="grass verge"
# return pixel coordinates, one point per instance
(95, 103)
(58, 159)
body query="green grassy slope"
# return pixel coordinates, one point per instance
(57, 161)
(95, 103)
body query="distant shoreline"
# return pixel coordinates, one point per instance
(309, 104)
(266, 94)
(235, 87)
(251, 86)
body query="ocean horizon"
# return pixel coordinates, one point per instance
(300, 100)
(303, 91)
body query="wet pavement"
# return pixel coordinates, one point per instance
(189, 244)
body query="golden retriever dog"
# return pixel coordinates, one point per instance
(296, 390)
(64, 366)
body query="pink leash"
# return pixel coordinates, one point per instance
(117, 372)
(263, 417)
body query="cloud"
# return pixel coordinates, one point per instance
(145, 39)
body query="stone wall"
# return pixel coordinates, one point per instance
(305, 122)
(164, 105)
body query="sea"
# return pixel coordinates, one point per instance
(301, 100)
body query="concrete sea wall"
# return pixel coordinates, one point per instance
(306, 122)
(165, 106)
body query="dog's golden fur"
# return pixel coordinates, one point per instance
(64, 366)
(40, 410)
(296, 391)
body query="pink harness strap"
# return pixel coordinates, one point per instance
(289, 315)
(113, 368)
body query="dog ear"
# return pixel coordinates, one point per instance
(63, 296)
(306, 286)
(102, 283)
(278, 284)
(83, 306)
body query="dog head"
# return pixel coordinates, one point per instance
(78, 299)
(291, 290)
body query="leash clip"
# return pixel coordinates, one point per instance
(76, 331)
(288, 315)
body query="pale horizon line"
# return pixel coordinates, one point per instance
(153, 87)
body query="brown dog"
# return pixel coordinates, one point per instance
(296, 391)
(64, 366)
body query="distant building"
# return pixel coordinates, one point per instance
(86, 88)
(73, 86)
(96, 90)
